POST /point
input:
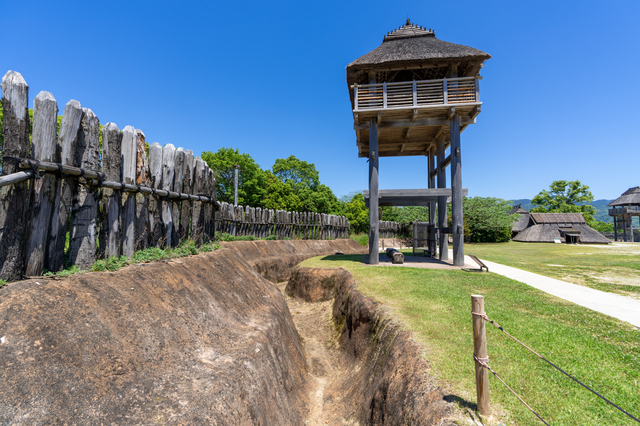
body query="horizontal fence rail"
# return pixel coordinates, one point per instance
(264, 223)
(415, 94)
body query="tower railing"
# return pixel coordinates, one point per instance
(624, 210)
(416, 94)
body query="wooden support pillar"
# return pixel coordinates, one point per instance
(615, 228)
(373, 192)
(442, 202)
(457, 225)
(431, 181)
(624, 228)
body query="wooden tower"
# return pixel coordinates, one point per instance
(414, 95)
(623, 209)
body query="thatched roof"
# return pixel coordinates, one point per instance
(517, 209)
(540, 218)
(522, 223)
(548, 232)
(630, 197)
(413, 46)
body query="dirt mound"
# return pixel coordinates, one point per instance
(275, 260)
(200, 340)
(384, 381)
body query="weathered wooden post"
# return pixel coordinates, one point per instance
(155, 203)
(129, 154)
(197, 218)
(141, 228)
(209, 190)
(111, 199)
(84, 212)
(168, 172)
(13, 198)
(443, 244)
(178, 178)
(45, 110)
(373, 191)
(480, 352)
(457, 225)
(67, 143)
(187, 188)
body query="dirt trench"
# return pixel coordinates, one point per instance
(364, 369)
(209, 339)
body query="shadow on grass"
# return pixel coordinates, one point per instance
(357, 258)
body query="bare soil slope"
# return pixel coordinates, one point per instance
(200, 340)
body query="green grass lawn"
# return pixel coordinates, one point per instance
(436, 305)
(613, 267)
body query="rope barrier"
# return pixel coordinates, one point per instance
(486, 318)
(483, 363)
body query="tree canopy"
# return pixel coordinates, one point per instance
(565, 197)
(292, 184)
(251, 178)
(486, 220)
(298, 173)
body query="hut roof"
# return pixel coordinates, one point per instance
(522, 223)
(548, 232)
(412, 45)
(555, 218)
(517, 209)
(630, 197)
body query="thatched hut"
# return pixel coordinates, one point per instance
(412, 96)
(570, 228)
(623, 209)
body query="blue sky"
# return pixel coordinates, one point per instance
(268, 78)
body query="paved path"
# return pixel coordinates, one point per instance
(614, 305)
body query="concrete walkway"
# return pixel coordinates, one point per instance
(614, 305)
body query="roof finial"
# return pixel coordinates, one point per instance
(408, 21)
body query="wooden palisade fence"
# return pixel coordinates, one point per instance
(263, 223)
(109, 204)
(393, 229)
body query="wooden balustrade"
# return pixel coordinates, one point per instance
(416, 94)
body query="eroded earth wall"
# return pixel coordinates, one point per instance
(198, 340)
(387, 381)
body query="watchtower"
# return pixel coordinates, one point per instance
(414, 95)
(624, 208)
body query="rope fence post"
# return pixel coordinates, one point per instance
(480, 354)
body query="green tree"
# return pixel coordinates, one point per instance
(319, 200)
(251, 178)
(565, 197)
(408, 214)
(298, 173)
(356, 211)
(486, 220)
(279, 195)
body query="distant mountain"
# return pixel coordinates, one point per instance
(602, 211)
